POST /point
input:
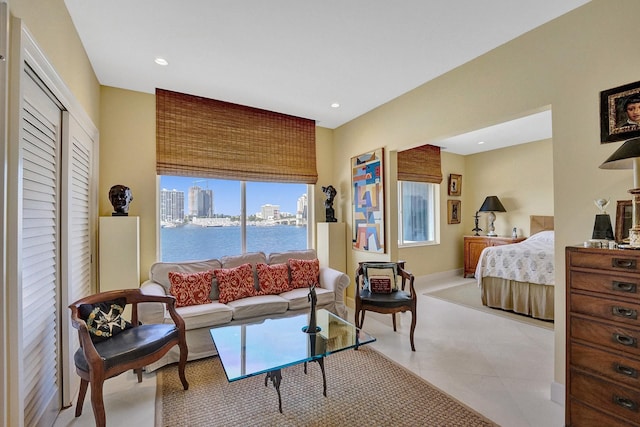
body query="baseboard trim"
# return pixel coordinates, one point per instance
(557, 393)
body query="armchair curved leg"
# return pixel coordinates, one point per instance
(97, 403)
(393, 316)
(413, 327)
(182, 364)
(362, 313)
(81, 394)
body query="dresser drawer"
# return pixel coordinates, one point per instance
(585, 416)
(619, 338)
(608, 309)
(610, 397)
(606, 260)
(618, 368)
(627, 287)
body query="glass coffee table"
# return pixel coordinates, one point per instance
(268, 347)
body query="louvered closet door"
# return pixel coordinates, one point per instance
(40, 253)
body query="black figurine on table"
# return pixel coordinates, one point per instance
(476, 229)
(313, 299)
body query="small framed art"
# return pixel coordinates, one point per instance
(455, 185)
(620, 113)
(453, 211)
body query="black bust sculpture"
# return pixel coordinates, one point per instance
(313, 299)
(120, 197)
(330, 192)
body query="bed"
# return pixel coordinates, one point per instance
(520, 277)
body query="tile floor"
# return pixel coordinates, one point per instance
(499, 367)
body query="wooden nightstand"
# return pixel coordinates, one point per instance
(473, 246)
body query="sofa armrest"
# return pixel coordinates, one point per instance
(152, 312)
(338, 282)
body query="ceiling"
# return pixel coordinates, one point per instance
(296, 57)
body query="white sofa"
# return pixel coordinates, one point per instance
(199, 319)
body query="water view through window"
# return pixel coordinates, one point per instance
(201, 218)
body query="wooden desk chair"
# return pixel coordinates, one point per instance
(109, 345)
(397, 299)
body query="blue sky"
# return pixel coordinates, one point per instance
(226, 194)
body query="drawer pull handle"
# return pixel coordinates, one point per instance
(623, 263)
(625, 340)
(625, 403)
(623, 287)
(624, 312)
(625, 370)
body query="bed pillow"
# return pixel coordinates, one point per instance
(273, 279)
(104, 320)
(380, 277)
(542, 236)
(235, 283)
(304, 273)
(191, 288)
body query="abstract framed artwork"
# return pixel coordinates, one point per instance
(620, 113)
(367, 186)
(453, 211)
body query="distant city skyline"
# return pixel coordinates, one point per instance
(226, 193)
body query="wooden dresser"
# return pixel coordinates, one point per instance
(473, 246)
(603, 334)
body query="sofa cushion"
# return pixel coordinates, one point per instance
(261, 305)
(273, 279)
(235, 283)
(159, 272)
(283, 257)
(191, 288)
(253, 258)
(299, 298)
(204, 315)
(304, 273)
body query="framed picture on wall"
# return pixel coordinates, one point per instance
(455, 185)
(620, 113)
(367, 186)
(453, 211)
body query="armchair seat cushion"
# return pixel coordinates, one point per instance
(129, 345)
(391, 300)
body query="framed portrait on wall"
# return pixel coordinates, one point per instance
(455, 185)
(453, 211)
(620, 113)
(367, 186)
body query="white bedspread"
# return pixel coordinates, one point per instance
(528, 261)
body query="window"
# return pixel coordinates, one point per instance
(417, 213)
(203, 218)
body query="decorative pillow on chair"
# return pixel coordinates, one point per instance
(380, 277)
(191, 288)
(273, 279)
(304, 273)
(235, 283)
(104, 319)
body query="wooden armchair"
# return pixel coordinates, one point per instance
(393, 302)
(110, 346)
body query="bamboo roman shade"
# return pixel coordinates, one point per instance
(207, 138)
(420, 164)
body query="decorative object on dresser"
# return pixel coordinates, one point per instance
(624, 218)
(473, 246)
(455, 185)
(602, 228)
(602, 335)
(492, 204)
(627, 156)
(476, 228)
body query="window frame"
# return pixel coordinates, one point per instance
(435, 190)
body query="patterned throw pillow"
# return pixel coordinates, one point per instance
(304, 273)
(235, 283)
(190, 288)
(380, 277)
(104, 319)
(273, 279)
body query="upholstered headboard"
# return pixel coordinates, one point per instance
(539, 223)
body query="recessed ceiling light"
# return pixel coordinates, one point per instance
(161, 61)
(481, 142)
(335, 105)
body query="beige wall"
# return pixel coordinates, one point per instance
(563, 65)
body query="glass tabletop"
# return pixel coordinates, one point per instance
(255, 348)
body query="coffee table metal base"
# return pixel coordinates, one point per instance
(276, 378)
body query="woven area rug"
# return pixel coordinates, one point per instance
(364, 388)
(468, 295)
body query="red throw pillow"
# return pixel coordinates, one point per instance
(191, 288)
(235, 283)
(273, 279)
(304, 273)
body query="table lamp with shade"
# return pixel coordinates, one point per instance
(492, 204)
(627, 156)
